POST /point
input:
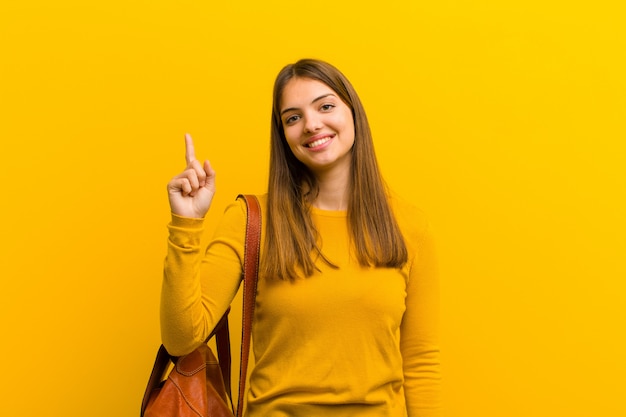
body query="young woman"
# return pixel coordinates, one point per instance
(346, 305)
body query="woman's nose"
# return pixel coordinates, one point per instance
(312, 123)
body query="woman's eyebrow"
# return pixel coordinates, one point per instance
(312, 102)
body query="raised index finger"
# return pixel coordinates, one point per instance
(190, 153)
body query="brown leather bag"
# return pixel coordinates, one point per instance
(199, 385)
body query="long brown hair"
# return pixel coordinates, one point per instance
(291, 242)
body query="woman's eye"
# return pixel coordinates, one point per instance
(291, 119)
(327, 107)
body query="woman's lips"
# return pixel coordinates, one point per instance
(318, 142)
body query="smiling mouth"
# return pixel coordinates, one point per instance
(318, 142)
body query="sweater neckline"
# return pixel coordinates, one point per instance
(328, 213)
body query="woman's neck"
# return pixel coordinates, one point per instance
(333, 193)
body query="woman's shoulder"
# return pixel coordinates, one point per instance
(412, 220)
(239, 204)
(236, 210)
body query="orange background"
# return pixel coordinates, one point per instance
(504, 121)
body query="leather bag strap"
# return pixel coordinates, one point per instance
(222, 342)
(250, 278)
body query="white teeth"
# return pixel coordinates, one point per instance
(318, 142)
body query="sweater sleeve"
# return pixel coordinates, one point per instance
(199, 285)
(419, 335)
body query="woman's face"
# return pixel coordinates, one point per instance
(318, 125)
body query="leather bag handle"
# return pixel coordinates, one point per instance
(250, 274)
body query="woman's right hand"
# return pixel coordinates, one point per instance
(191, 192)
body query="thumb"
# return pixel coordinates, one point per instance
(210, 175)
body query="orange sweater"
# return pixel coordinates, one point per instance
(351, 341)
